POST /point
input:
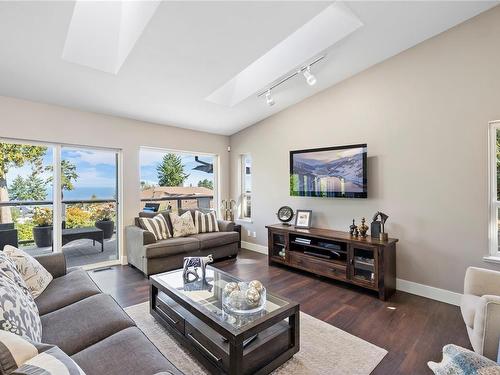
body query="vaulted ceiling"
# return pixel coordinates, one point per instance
(179, 53)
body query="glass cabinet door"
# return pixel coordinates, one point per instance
(364, 265)
(278, 245)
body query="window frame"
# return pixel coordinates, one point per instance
(243, 193)
(493, 202)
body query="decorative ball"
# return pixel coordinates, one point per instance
(230, 287)
(252, 296)
(257, 285)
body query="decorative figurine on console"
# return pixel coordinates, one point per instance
(352, 228)
(191, 265)
(378, 227)
(363, 228)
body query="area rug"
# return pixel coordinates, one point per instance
(324, 349)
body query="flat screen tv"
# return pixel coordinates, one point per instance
(329, 172)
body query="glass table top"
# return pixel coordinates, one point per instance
(207, 294)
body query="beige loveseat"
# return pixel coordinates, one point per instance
(481, 310)
(151, 256)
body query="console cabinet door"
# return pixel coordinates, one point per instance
(363, 265)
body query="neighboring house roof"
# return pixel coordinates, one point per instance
(165, 191)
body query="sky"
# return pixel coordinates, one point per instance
(150, 159)
(96, 171)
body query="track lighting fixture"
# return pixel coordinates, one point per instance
(305, 70)
(310, 78)
(269, 98)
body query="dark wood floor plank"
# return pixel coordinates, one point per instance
(412, 329)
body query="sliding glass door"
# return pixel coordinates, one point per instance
(60, 198)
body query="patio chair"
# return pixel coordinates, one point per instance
(8, 235)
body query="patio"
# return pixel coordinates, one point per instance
(81, 252)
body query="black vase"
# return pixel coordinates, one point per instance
(107, 226)
(43, 236)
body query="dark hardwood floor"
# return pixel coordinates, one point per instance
(412, 329)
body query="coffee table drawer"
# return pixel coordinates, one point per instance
(207, 347)
(169, 315)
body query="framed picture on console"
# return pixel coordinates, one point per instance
(303, 219)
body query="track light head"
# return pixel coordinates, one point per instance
(269, 98)
(310, 78)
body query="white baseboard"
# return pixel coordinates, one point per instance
(422, 290)
(427, 291)
(254, 247)
(124, 260)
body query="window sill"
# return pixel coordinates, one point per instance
(247, 221)
(492, 259)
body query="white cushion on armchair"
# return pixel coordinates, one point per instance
(480, 308)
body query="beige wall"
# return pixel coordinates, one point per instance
(34, 121)
(424, 115)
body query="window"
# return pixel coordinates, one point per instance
(246, 187)
(494, 161)
(173, 180)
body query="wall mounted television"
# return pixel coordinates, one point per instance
(332, 172)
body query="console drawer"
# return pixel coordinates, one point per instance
(169, 315)
(318, 266)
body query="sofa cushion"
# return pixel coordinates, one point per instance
(183, 225)
(34, 275)
(125, 352)
(468, 306)
(216, 239)
(18, 310)
(172, 246)
(65, 290)
(153, 214)
(205, 223)
(156, 225)
(460, 361)
(84, 323)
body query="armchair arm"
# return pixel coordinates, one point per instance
(55, 263)
(479, 281)
(225, 225)
(139, 236)
(487, 327)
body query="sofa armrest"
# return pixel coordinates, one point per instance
(479, 281)
(225, 225)
(139, 236)
(487, 326)
(55, 263)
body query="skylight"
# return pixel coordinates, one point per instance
(330, 26)
(102, 33)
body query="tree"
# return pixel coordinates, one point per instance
(206, 183)
(68, 175)
(15, 156)
(31, 188)
(171, 171)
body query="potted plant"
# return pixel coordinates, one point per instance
(42, 231)
(103, 216)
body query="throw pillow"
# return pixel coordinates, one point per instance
(460, 361)
(205, 223)
(183, 225)
(18, 310)
(34, 275)
(156, 225)
(22, 357)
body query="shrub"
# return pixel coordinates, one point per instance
(25, 230)
(77, 217)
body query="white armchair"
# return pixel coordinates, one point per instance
(480, 308)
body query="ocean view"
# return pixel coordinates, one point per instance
(85, 193)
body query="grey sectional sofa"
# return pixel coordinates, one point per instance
(92, 328)
(151, 256)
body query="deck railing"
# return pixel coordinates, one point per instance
(202, 201)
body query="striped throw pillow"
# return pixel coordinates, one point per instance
(205, 223)
(156, 225)
(19, 356)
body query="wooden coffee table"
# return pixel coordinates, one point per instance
(224, 342)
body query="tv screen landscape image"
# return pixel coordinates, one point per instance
(329, 172)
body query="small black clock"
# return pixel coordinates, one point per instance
(285, 215)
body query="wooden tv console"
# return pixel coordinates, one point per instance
(366, 262)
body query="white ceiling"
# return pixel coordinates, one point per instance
(189, 49)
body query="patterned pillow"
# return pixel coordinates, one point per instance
(156, 225)
(34, 275)
(460, 361)
(205, 223)
(18, 310)
(183, 225)
(22, 357)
